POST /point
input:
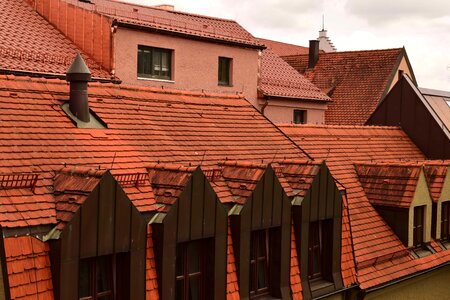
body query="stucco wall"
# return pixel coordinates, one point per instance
(194, 63)
(282, 110)
(430, 286)
(421, 197)
(404, 67)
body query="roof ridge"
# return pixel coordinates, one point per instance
(243, 164)
(171, 167)
(346, 51)
(339, 126)
(82, 171)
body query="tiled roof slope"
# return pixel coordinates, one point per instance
(28, 265)
(172, 21)
(151, 290)
(28, 43)
(389, 184)
(284, 49)
(355, 81)
(435, 173)
(279, 79)
(373, 240)
(144, 126)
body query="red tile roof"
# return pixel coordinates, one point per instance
(150, 269)
(373, 240)
(436, 172)
(389, 184)
(232, 281)
(279, 79)
(173, 21)
(29, 43)
(284, 49)
(355, 80)
(295, 280)
(28, 265)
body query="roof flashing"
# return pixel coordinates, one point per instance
(94, 120)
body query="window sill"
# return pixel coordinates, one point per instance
(156, 79)
(320, 287)
(224, 84)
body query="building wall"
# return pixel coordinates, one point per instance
(421, 197)
(194, 63)
(433, 285)
(282, 110)
(404, 67)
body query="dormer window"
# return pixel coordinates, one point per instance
(418, 226)
(319, 250)
(259, 267)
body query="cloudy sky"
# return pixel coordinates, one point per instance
(423, 27)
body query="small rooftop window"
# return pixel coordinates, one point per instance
(447, 100)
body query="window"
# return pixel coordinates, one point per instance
(445, 215)
(97, 277)
(259, 263)
(190, 270)
(225, 71)
(299, 116)
(418, 226)
(320, 250)
(154, 63)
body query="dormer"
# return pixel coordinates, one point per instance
(400, 194)
(438, 180)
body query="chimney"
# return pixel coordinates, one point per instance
(78, 76)
(313, 53)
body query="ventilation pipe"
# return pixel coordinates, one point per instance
(78, 76)
(313, 53)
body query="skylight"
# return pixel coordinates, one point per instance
(447, 100)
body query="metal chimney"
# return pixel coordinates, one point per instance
(78, 76)
(313, 53)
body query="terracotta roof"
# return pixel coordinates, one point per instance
(284, 49)
(28, 265)
(232, 280)
(295, 279)
(172, 21)
(299, 175)
(375, 245)
(279, 79)
(355, 80)
(151, 291)
(30, 44)
(436, 172)
(389, 184)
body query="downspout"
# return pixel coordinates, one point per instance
(265, 104)
(112, 48)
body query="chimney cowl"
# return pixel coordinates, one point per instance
(78, 76)
(313, 53)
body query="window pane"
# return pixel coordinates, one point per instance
(85, 272)
(194, 288)
(103, 274)
(193, 258)
(154, 62)
(262, 274)
(224, 70)
(179, 291)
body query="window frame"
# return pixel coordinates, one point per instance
(186, 275)
(320, 244)
(302, 113)
(149, 65)
(418, 226)
(445, 221)
(227, 72)
(260, 240)
(93, 264)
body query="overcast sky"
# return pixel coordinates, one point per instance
(423, 27)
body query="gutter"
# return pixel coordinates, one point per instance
(337, 292)
(54, 76)
(189, 36)
(379, 287)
